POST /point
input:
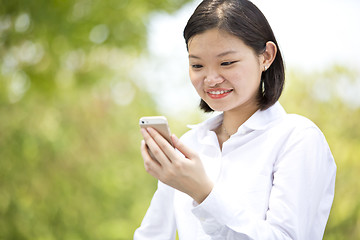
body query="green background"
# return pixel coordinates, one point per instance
(70, 166)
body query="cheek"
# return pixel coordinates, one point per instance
(249, 76)
(196, 79)
(245, 83)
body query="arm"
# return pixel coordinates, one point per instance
(159, 221)
(300, 199)
(164, 162)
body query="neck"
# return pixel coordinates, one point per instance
(233, 119)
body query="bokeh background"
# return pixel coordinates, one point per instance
(76, 75)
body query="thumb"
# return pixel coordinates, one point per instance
(187, 152)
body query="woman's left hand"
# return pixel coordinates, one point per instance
(183, 172)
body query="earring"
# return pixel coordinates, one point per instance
(265, 68)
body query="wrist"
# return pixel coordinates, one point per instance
(200, 196)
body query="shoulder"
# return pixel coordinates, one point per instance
(297, 123)
(293, 130)
(301, 143)
(300, 131)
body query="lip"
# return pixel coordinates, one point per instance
(218, 93)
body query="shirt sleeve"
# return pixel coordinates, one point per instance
(299, 202)
(159, 220)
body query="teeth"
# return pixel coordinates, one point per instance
(219, 92)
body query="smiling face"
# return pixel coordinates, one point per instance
(224, 71)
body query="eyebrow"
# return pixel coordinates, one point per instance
(219, 55)
(226, 53)
(193, 56)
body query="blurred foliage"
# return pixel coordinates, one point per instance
(70, 166)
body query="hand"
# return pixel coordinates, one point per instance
(182, 172)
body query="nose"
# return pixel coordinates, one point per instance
(212, 79)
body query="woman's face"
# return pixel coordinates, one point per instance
(224, 71)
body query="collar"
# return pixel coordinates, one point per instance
(260, 120)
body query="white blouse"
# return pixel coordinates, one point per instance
(274, 179)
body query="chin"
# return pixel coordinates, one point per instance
(219, 108)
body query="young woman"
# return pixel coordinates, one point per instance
(252, 172)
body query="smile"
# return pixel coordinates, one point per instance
(216, 94)
(219, 92)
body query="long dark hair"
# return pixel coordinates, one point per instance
(244, 20)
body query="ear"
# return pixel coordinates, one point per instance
(268, 55)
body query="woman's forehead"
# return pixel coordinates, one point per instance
(215, 41)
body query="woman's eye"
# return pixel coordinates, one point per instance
(197, 66)
(227, 63)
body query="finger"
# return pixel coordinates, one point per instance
(158, 137)
(153, 144)
(162, 143)
(146, 153)
(151, 166)
(186, 151)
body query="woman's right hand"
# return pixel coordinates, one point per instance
(184, 172)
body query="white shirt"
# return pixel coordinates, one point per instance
(274, 179)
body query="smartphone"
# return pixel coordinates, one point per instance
(159, 123)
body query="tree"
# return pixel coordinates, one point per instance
(68, 118)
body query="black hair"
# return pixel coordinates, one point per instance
(244, 20)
